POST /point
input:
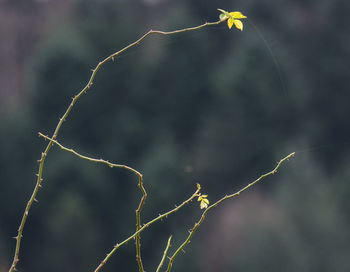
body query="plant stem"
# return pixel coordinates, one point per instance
(138, 225)
(161, 216)
(164, 255)
(200, 221)
(64, 117)
(112, 165)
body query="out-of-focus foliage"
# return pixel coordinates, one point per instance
(213, 106)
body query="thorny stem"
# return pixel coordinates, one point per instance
(112, 165)
(142, 201)
(138, 225)
(64, 117)
(164, 255)
(159, 217)
(200, 221)
(139, 229)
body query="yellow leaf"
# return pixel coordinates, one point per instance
(201, 197)
(237, 15)
(238, 24)
(230, 22)
(204, 205)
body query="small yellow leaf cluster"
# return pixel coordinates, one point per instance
(204, 201)
(232, 18)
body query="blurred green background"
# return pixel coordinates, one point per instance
(215, 106)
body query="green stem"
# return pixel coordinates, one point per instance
(197, 224)
(164, 255)
(64, 117)
(142, 201)
(112, 165)
(161, 216)
(138, 225)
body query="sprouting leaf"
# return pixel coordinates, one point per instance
(225, 13)
(230, 22)
(237, 15)
(232, 18)
(222, 16)
(238, 24)
(201, 197)
(204, 201)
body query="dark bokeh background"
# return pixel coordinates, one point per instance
(216, 106)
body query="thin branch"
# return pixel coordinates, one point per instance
(112, 165)
(197, 224)
(64, 117)
(164, 255)
(161, 216)
(138, 225)
(140, 185)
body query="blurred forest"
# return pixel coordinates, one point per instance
(215, 106)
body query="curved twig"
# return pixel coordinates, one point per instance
(39, 179)
(200, 221)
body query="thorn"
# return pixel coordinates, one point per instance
(15, 262)
(35, 200)
(112, 58)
